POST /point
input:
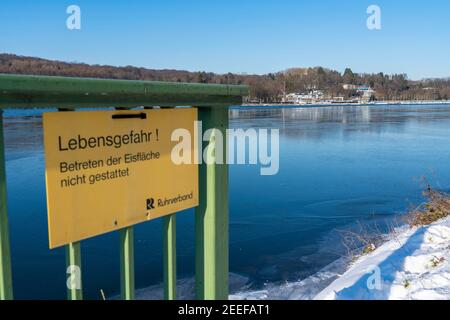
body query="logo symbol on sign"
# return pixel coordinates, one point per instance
(150, 204)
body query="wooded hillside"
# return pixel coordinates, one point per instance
(265, 88)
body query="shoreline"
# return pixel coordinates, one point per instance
(349, 104)
(309, 287)
(407, 267)
(422, 251)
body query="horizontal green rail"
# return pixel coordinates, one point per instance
(19, 91)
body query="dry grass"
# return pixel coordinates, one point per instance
(363, 239)
(436, 208)
(366, 238)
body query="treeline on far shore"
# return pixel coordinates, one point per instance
(265, 88)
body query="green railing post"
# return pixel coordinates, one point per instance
(170, 257)
(127, 263)
(73, 263)
(6, 289)
(212, 215)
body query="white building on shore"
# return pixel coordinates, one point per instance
(366, 91)
(311, 97)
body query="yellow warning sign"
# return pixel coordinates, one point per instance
(107, 170)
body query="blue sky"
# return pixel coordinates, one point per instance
(251, 36)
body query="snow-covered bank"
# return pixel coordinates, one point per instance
(415, 264)
(305, 289)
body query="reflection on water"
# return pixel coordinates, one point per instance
(323, 114)
(23, 136)
(338, 165)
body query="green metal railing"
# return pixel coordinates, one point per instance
(211, 216)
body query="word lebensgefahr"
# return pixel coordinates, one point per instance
(109, 141)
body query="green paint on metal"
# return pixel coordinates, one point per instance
(127, 263)
(169, 257)
(73, 264)
(19, 91)
(212, 216)
(6, 288)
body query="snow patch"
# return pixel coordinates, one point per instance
(305, 289)
(415, 264)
